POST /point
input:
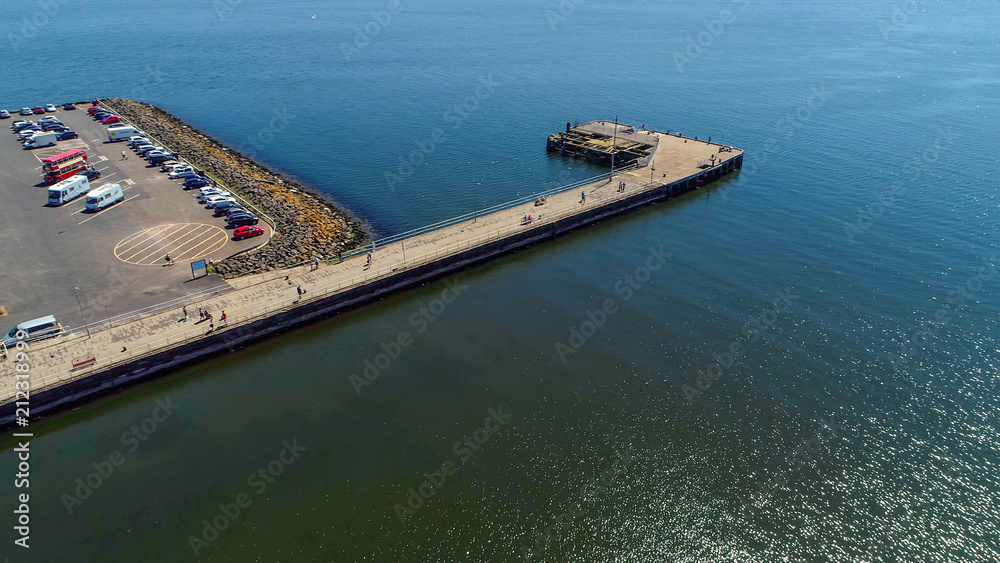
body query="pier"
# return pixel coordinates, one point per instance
(77, 367)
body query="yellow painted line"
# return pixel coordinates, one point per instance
(130, 238)
(201, 253)
(224, 240)
(165, 246)
(211, 232)
(156, 241)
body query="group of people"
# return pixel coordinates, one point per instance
(541, 201)
(527, 220)
(621, 186)
(726, 148)
(204, 315)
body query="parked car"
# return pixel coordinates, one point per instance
(67, 135)
(143, 149)
(69, 106)
(51, 125)
(246, 232)
(168, 165)
(17, 122)
(32, 331)
(23, 125)
(111, 119)
(48, 118)
(198, 182)
(221, 210)
(39, 110)
(25, 111)
(243, 220)
(91, 174)
(141, 145)
(185, 176)
(205, 193)
(26, 133)
(218, 200)
(93, 109)
(99, 115)
(159, 158)
(57, 129)
(4, 114)
(180, 171)
(236, 210)
(50, 108)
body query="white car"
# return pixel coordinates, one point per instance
(50, 108)
(26, 111)
(4, 114)
(179, 171)
(212, 192)
(48, 118)
(217, 199)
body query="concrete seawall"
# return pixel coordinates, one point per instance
(120, 376)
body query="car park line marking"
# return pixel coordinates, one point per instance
(167, 246)
(130, 181)
(108, 209)
(213, 247)
(204, 235)
(200, 242)
(154, 241)
(131, 238)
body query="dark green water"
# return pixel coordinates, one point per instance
(856, 421)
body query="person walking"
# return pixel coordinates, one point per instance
(299, 291)
(185, 313)
(223, 319)
(201, 314)
(124, 156)
(583, 197)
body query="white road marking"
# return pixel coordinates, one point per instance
(116, 206)
(101, 158)
(130, 181)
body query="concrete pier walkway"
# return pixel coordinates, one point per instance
(677, 165)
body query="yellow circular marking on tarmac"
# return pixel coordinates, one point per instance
(182, 241)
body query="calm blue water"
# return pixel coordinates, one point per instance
(859, 424)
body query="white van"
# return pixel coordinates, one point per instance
(69, 189)
(37, 329)
(41, 139)
(106, 195)
(121, 133)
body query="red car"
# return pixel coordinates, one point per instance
(93, 109)
(111, 119)
(39, 110)
(247, 232)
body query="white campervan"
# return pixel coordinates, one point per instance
(106, 195)
(69, 189)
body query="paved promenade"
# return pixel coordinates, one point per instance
(51, 361)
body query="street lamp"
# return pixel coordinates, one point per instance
(78, 302)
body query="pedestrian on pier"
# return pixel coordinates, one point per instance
(185, 313)
(369, 264)
(299, 291)
(315, 263)
(583, 197)
(211, 326)
(201, 314)
(223, 319)
(124, 156)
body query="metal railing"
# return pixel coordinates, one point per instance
(279, 305)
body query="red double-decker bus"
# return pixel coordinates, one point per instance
(63, 165)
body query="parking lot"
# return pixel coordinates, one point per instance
(59, 260)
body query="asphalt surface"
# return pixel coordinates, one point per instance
(116, 256)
